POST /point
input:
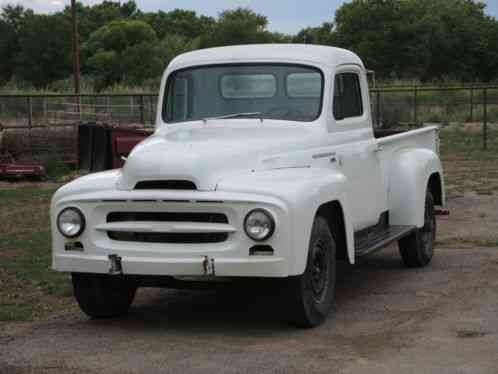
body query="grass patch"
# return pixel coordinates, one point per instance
(467, 166)
(29, 289)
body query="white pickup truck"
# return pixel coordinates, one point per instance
(263, 164)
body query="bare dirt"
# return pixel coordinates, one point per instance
(388, 319)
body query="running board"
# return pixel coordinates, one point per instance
(380, 239)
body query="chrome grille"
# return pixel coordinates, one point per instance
(160, 237)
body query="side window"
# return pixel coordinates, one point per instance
(347, 96)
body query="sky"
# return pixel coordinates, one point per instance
(287, 16)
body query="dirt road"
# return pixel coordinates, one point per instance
(389, 319)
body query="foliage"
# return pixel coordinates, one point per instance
(54, 165)
(422, 40)
(129, 51)
(44, 49)
(123, 50)
(179, 22)
(8, 45)
(240, 26)
(93, 17)
(323, 35)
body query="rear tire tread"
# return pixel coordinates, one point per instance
(411, 247)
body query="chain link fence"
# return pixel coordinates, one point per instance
(38, 127)
(46, 125)
(466, 108)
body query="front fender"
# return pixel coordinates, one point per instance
(95, 182)
(408, 180)
(303, 191)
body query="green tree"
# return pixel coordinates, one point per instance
(93, 17)
(323, 35)
(124, 50)
(179, 22)
(15, 15)
(8, 50)
(44, 49)
(239, 26)
(173, 45)
(427, 39)
(11, 21)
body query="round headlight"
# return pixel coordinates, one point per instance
(259, 225)
(71, 222)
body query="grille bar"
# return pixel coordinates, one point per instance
(167, 227)
(171, 238)
(166, 217)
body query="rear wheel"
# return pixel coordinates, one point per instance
(417, 249)
(103, 296)
(312, 294)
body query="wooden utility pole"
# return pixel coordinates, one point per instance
(76, 49)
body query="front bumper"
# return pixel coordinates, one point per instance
(231, 257)
(164, 266)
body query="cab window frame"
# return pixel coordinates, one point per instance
(359, 95)
(173, 74)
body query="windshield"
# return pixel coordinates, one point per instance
(273, 91)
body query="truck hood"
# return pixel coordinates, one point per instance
(204, 155)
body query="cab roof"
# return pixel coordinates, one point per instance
(294, 53)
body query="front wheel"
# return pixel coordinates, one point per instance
(417, 249)
(103, 296)
(311, 295)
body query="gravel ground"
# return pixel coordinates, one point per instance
(388, 319)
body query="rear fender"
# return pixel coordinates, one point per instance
(409, 176)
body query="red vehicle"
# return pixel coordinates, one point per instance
(104, 147)
(11, 169)
(22, 170)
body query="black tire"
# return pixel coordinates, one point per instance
(311, 295)
(103, 296)
(417, 249)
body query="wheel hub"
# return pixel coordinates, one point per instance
(319, 273)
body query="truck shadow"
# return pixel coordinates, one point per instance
(255, 305)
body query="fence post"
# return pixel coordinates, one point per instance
(485, 121)
(151, 105)
(78, 108)
(30, 111)
(377, 104)
(45, 116)
(472, 103)
(415, 104)
(142, 114)
(107, 106)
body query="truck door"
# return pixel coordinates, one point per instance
(358, 153)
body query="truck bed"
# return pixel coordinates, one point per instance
(382, 133)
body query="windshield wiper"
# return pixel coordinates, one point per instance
(236, 115)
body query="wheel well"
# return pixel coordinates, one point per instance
(332, 212)
(434, 186)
